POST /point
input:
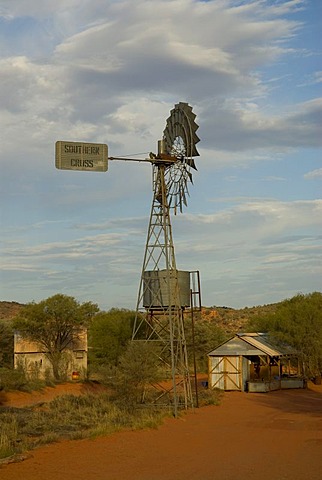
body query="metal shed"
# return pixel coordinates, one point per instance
(252, 362)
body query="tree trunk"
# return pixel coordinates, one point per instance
(55, 360)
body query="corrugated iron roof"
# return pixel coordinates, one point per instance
(251, 344)
(261, 344)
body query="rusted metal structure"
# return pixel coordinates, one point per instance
(165, 293)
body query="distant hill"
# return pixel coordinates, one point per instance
(229, 319)
(233, 320)
(8, 310)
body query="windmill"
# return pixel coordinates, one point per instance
(165, 292)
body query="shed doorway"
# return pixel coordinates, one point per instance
(226, 372)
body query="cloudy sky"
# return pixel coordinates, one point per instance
(110, 71)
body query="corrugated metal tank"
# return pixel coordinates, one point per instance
(157, 293)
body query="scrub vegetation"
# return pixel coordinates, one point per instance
(297, 322)
(69, 417)
(127, 370)
(83, 416)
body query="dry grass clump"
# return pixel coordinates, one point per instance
(83, 416)
(8, 434)
(69, 417)
(209, 397)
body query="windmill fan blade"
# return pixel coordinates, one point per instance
(190, 176)
(191, 151)
(195, 137)
(183, 197)
(186, 108)
(181, 123)
(179, 141)
(191, 163)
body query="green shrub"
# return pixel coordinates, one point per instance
(12, 379)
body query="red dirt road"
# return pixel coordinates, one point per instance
(275, 436)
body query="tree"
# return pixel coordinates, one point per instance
(109, 335)
(54, 323)
(136, 370)
(205, 336)
(6, 344)
(297, 322)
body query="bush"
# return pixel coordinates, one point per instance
(16, 379)
(12, 379)
(136, 371)
(6, 344)
(108, 336)
(297, 322)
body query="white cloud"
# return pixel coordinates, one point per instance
(254, 220)
(109, 72)
(251, 128)
(312, 79)
(252, 239)
(314, 174)
(109, 78)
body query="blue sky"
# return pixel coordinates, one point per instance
(110, 72)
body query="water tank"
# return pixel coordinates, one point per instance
(157, 291)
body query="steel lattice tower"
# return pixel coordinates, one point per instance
(163, 323)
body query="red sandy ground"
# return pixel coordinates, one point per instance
(273, 436)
